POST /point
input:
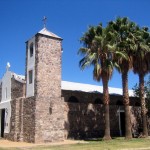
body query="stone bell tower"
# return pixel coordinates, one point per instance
(43, 119)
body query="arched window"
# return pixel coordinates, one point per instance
(31, 49)
(137, 104)
(119, 102)
(98, 101)
(73, 99)
(30, 76)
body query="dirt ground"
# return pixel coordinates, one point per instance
(7, 144)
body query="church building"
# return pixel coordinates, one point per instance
(40, 107)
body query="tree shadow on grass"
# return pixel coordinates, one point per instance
(101, 139)
(93, 139)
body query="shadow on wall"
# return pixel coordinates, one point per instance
(86, 120)
(136, 121)
(84, 115)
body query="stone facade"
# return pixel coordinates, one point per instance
(16, 125)
(86, 120)
(80, 120)
(29, 120)
(84, 97)
(46, 107)
(77, 120)
(85, 117)
(17, 89)
(49, 105)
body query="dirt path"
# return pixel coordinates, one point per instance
(7, 144)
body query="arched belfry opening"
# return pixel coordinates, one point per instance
(31, 49)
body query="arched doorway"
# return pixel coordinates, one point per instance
(121, 118)
(121, 115)
(2, 124)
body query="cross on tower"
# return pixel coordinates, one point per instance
(44, 21)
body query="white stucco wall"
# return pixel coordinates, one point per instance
(6, 105)
(6, 86)
(30, 66)
(5, 101)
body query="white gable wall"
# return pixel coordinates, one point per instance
(6, 87)
(6, 98)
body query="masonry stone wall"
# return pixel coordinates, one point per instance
(86, 120)
(148, 118)
(29, 120)
(79, 120)
(48, 66)
(49, 118)
(22, 122)
(136, 120)
(17, 89)
(16, 120)
(85, 97)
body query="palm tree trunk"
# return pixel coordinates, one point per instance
(128, 133)
(106, 105)
(143, 108)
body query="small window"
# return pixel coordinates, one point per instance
(73, 99)
(119, 102)
(98, 101)
(137, 104)
(30, 76)
(6, 93)
(50, 110)
(31, 49)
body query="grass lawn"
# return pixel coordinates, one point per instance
(117, 143)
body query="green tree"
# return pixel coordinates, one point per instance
(96, 53)
(124, 29)
(136, 90)
(148, 95)
(140, 67)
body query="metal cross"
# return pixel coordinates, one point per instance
(44, 21)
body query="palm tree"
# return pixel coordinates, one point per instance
(96, 42)
(140, 67)
(123, 30)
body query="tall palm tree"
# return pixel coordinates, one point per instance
(123, 29)
(140, 67)
(96, 42)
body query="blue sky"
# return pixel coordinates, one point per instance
(20, 20)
